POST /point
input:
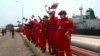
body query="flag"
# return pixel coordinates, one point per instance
(23, 18)
(18, 21)
(26, 20)
(40, 18)
(54, 6)
(32, 16)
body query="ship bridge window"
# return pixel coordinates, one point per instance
(88, 13)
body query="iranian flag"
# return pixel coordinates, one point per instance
(54, 6)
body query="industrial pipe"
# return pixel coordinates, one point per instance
(82, 52)
(88, 46)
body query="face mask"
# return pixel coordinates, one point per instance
(62, 16)
(50, 15)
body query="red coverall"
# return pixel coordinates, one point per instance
(45, 35)
(33, 31)
(24, 31)
(36, 32)
(28, 33)
(40, 34)
(63, 42)
(52, 33)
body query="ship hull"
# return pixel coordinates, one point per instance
(87, 32)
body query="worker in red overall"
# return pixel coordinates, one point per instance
(27, 30)
(52, 32)
(24, 30)
(42, 41)
(33, 29)
(35, 32)
(32, 23)
(44, 33)
(63, 35)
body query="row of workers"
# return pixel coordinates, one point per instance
(52, 30)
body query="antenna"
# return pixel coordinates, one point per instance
(81, 13)
(81, 9)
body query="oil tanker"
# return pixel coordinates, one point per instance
(87, 24)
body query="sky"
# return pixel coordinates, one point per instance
(11, 11)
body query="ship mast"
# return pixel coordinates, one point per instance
(81, 12)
